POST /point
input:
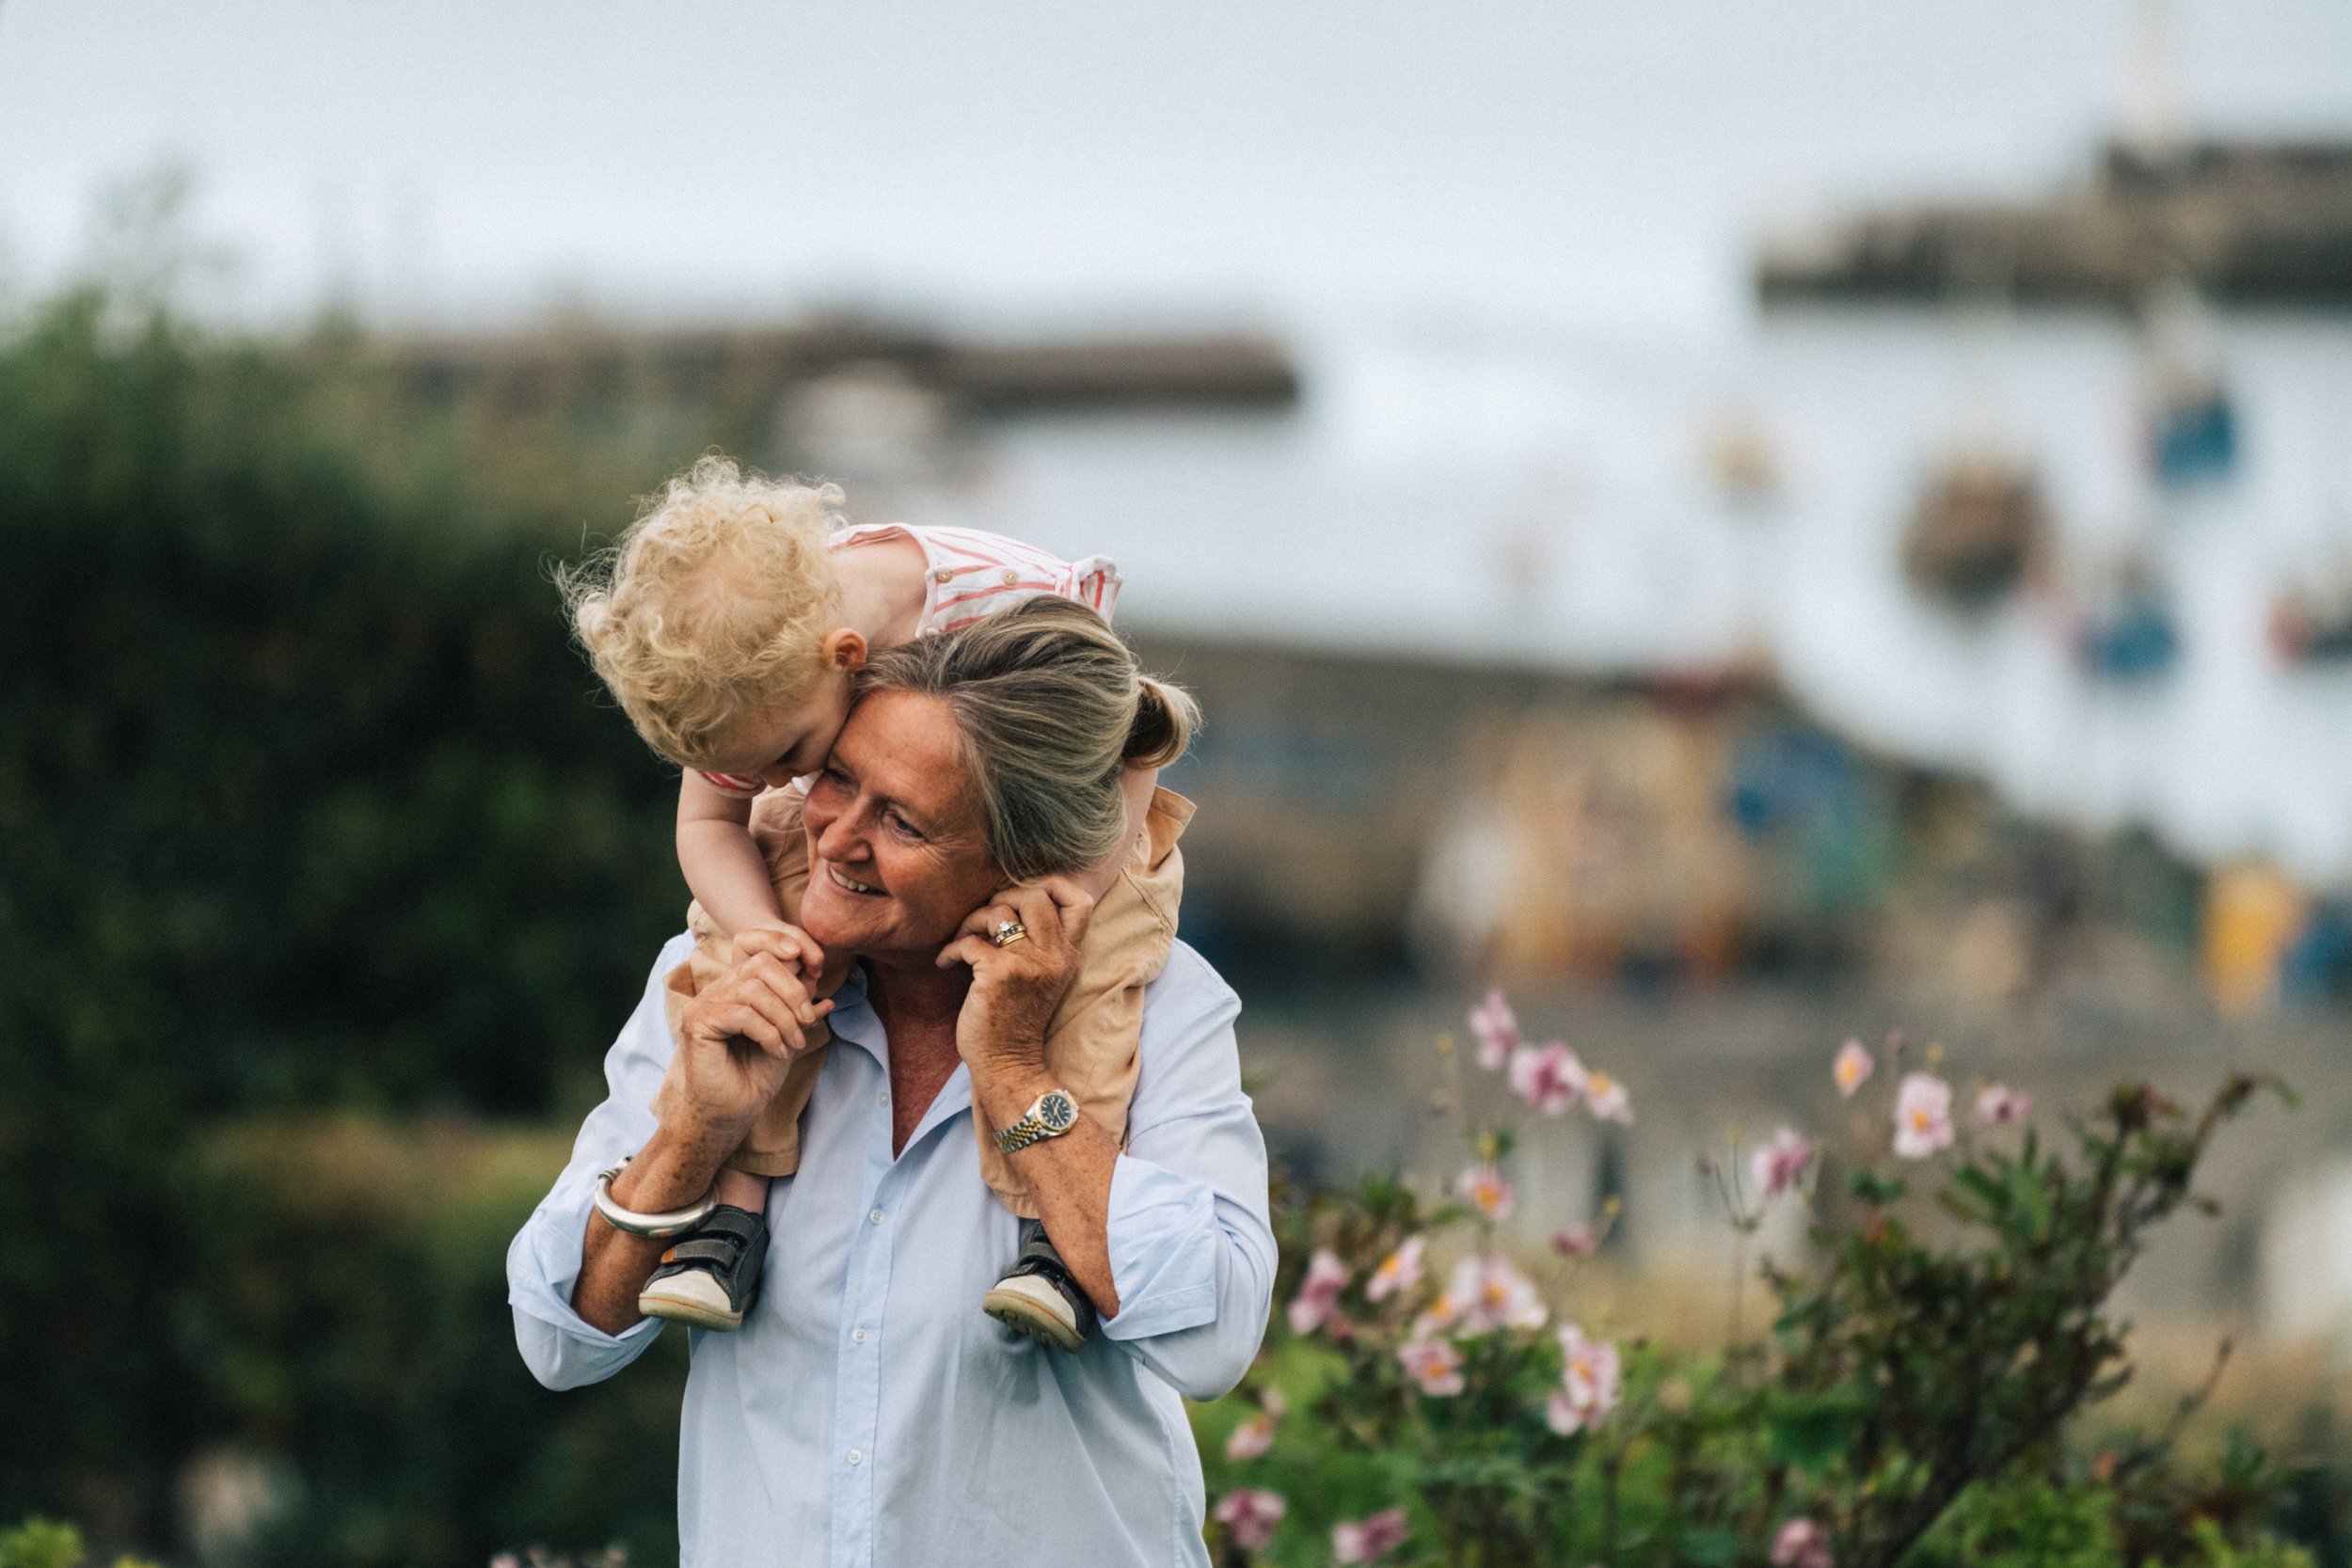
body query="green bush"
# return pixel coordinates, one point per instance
(46, 1544)
(305, 804)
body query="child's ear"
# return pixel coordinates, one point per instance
(845, 651)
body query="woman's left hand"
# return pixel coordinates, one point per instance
(1016, 987)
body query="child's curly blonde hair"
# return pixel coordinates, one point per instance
(710, 610)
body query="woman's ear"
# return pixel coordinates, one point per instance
(843, 650)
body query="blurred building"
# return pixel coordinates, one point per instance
(2266, 223)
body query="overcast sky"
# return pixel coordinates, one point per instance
(1570, 160)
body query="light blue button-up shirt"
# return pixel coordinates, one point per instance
(868, 1415)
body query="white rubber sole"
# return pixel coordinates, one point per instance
(694, 1298)
(1028, 1303)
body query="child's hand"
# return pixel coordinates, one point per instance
(790, 944)
(740, 1036)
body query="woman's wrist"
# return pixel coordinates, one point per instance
(1004, 1090)
(669, 1172)
(676, 1168)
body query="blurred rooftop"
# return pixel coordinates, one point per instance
(2247, 222)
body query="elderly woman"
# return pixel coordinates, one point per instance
(867, 1413)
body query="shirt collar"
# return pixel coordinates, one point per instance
(852, 1018)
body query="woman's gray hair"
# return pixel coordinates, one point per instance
(1052, 708)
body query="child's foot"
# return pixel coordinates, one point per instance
(710, 1278)
(1039, 1297)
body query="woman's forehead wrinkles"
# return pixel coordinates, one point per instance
(901, 749)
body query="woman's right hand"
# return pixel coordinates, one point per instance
(739, 1035)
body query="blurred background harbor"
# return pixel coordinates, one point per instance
(1742, 531)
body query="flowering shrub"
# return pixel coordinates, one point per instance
(1424, 1400)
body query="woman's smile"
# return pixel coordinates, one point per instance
(851, 883)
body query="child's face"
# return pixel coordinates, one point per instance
(792, 743)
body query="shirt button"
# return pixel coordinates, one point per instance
(874, 1216)
(856, 1457)
(944, 575)
(1011, 577)
(881, 1101)
(857, 1335)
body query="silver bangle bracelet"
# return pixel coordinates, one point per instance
(676, 1222)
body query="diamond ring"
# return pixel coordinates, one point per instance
(1008, 932)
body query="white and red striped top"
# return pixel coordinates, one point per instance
(968, 574)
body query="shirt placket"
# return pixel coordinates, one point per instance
(857, 1358)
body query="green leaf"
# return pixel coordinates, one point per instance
(1708, 1549)
(1810, 1429)
(1870, 1187)
(1979, 1183)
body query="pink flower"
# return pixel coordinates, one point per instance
(1606, 1099)
(1852, 1068)
(1488, 1192)
(1547, 1077)
(1998, 1105)
(1318, 1299)
(1251, 1439)
(1497, 1031)
(1802, 1544)
(1254, 1436)
(1249, 1517)
(1399, 1271)
(1923, 1116)
(1484, 1294)
(1434, 1365)
(1777, 1165)
(1590, 1382)
(1369, 1540)
(1575, 1240)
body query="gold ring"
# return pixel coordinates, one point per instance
(1008, 932)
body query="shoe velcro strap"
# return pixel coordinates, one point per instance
(1052, 1268)
(738, 1225)
(720, 1250)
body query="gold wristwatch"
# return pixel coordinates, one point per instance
(1049, 1115)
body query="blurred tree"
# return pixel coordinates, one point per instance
(304, 803)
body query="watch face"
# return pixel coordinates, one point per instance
(1058, 1112)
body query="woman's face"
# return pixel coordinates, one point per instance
(898, 853)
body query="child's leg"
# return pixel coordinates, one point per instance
(772, 1147)
(1091, 1050)
(741, 1189)
(711, 1278)
(1091, 1044)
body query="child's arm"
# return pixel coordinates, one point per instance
(1136, 784)
(723, 866)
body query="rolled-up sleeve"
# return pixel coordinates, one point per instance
(1191, 1247)
(561, 1349)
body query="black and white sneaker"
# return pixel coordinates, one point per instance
(1039, 1297)
(710, 1278)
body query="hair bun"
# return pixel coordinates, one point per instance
(1166, 716)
